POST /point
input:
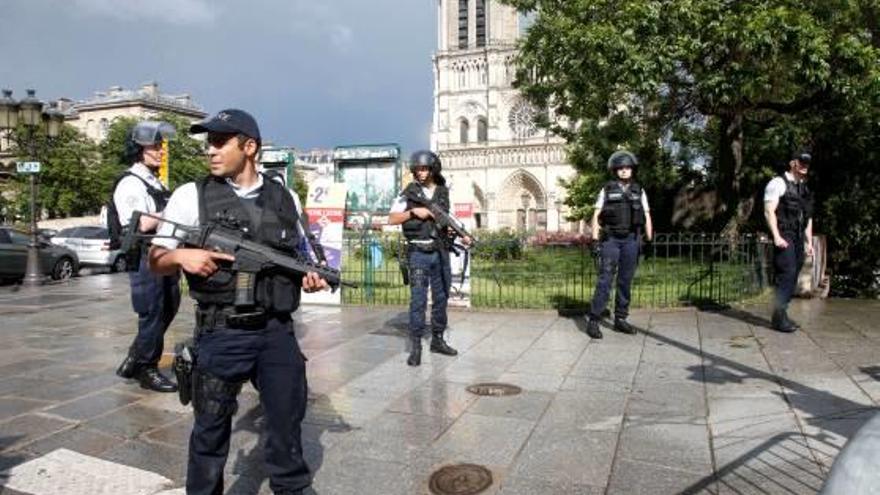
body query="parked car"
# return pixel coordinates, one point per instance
(58, 262)
(92, 245)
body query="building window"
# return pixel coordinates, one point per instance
(463, 131)
(482, 130)
(462, 23)
(481, 22)
(104, 129)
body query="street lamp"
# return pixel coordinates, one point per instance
(29, 113)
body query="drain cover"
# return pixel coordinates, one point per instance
(460, 479)
(494, 389)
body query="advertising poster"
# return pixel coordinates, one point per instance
(325, 207)
(463, 209)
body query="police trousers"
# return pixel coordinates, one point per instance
(155, 299)
(428, 269)
(620, 256)
(787, 264)
(227, 357)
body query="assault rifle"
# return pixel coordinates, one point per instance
(224, 235)
(441, 218)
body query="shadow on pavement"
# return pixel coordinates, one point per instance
(872, 371)
(9, 460)
(823, 406)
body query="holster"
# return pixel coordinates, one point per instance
(184, 364)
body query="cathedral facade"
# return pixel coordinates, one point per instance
(484, 131)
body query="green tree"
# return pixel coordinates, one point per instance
(70, 180)
(671, 69)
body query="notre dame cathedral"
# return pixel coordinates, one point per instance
(484, 131)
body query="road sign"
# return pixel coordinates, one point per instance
(28, 167)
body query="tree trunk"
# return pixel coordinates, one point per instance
(730, 176)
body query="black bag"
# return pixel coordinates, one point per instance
(114, 226)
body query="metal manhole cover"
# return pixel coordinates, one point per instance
(460, 479)
(494, 389)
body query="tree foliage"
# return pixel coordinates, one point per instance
(69, 183)
(713, 94)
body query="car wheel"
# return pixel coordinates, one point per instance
(63, 269)
(120, 264)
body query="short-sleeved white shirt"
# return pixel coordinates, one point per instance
(131, 193)
(399, 205)
(183, 208)
(776, 187)
(600, 200)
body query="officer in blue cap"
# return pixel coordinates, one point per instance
(788, 209)
(620, 219)
(235, 345)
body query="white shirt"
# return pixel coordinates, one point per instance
(183, 208)
(600, 200)
(131, 194)
(399, 205)
(776, 187)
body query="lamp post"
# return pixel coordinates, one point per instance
(29, 114)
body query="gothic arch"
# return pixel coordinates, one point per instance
(479, 198)
(520, 182)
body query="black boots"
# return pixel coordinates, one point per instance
(593, 328)
(128, 368)
(151, 379)
(415, 354)
(621, 325)
(440, 346)
(781, 323)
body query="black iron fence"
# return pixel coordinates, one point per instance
(674, 270)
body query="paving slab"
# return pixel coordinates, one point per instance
(697, 402)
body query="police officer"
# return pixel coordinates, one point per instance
(788, 209)
(155, 298)
(621, 217)
(427, 252)
(235, 345)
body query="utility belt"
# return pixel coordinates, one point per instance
(425, 247)
(212, 316)
(605, 235)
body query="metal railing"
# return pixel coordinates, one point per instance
(674, 270)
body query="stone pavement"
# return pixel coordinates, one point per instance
(699, 402)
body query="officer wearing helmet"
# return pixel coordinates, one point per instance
(788, 209)
(427, 253)
(621, 217)
(155, 298)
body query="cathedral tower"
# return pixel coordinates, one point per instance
(483, 130)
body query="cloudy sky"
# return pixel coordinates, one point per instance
(315, 73)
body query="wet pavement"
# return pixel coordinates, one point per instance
(698, 402)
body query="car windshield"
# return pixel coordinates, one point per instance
(95, 233)
(19, 238)
(68, 232)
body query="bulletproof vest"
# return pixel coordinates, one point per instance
(622, 212)
(114, 225)
(795, 207)
(416, 228)
(270, 219)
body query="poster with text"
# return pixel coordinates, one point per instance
(325, 207)
(462, 208)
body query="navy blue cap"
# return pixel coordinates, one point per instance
(803, 156)
(229, 121)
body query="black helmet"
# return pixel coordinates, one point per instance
(802, 155)
(620, 159)
(425, 158)
(144, 134)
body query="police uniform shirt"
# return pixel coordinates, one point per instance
(776, 187)
(600, 199)
(131, 194)
(183, 208)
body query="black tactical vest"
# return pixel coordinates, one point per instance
(795, 208)
(622, 212)
(270, 219)
(416, 228)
